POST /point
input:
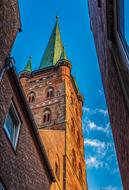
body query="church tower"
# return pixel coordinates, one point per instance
(56, 104)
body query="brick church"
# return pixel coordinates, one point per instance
(56, 104)
(41, 140)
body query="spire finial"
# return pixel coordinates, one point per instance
(57, 17)
(28, 67)
(54, 48)
(63, 54)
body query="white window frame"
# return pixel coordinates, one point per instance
(16, 134)
(120, 39)
(50, 92)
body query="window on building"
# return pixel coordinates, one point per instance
(80, 172)
(72, 126)
(78, 139)
(73, 159)
(123, 22)
(47, 116)
(72, 100)
(50, 92)
(57, 167)
(31, 97)
(58, 93)
(76, 111)
(12, 125)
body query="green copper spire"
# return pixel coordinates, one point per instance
(63, 54)
(54, 48)
(28, 67)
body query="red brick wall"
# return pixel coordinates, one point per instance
(9, 26)
(73, 131)
(117, 107)
(25, 168)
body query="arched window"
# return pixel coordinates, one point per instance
(76, 111)
(31, 97)
(50, 92)
(74, 159)
(71, 100)
(80, 172)
(47, 116)
(58, 93)
(72, 126)
(57, 167)
(78, 139)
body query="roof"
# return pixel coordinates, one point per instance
(63, 54)
(54, 48)
(28, 67)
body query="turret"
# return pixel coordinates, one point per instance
(27, 70)
(64, 64)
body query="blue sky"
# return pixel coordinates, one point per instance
(126, 19)
(38, 19)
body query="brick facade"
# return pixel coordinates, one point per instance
(63, 134)
(9, 26)
(115, 79)
(24, 168)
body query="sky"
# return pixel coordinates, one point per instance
(38, 19)
(126, 20)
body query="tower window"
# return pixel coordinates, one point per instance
(80, 172)
(72, 100)
(57, 167)
(12, 125)
(72, 127)
(78, 139)
(47, 116)
(76, 111)
(58, 93)
(73, 159)
(31, 97)
(50, 92)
